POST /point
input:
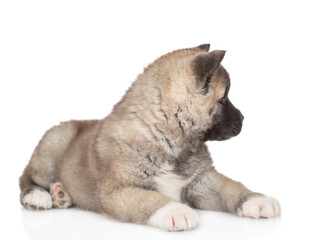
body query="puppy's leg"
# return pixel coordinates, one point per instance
(214, 191)
(41, 170)
(149, 207)
(33, 196)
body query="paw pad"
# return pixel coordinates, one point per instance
(60, 197)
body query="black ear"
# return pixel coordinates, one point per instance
(204, 47)
(205, 64)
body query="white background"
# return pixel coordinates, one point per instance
(62, 60)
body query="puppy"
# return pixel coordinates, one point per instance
(147, 162)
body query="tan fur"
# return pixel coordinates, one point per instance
(147, 153)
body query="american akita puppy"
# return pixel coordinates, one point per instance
(147, 162)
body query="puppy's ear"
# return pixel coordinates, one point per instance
(204, 47)
(205, 64)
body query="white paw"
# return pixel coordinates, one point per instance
(174, 217)
(37, 199)
(258, 207)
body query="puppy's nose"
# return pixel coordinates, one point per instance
(242, 117)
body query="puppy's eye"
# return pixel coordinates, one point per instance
(222, 100)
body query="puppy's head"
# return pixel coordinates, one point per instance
(222, 119)
(194, 93)
(198, 94)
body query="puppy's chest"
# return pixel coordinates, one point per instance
(170, 184)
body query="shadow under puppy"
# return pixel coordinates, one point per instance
(147, 162)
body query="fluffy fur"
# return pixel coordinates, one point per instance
(149, 156)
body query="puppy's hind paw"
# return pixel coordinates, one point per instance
(260, 207)
(174, 217)
(37, 199)
(61, 199)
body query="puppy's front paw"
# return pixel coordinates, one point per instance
(174, 217)
(258, 207)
